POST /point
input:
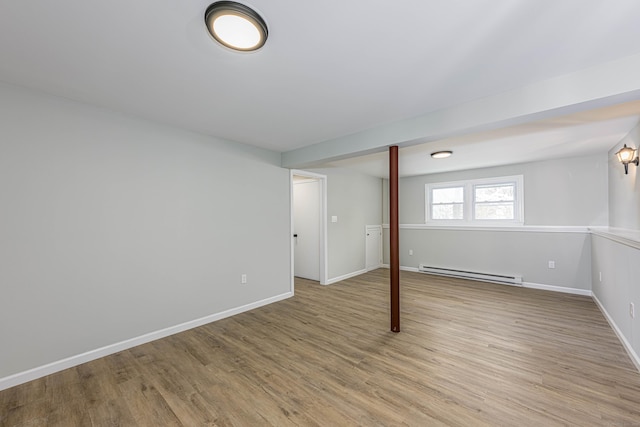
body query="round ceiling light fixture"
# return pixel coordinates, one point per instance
(441, 154)
(236, 26)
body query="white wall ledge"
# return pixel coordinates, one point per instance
(623, 236)
(508, 228)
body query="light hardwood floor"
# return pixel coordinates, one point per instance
(469, 354)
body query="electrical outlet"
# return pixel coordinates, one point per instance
(410, 251)
(552, 264)
(243, 278)
(632, 310)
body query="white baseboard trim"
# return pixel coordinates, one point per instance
(345, 276)
(69, 362)
(373, 268)
(554, 288)
(627, 346)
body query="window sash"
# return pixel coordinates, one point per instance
(449, 205)
(497, 206)
(447, 211)
(492, 211)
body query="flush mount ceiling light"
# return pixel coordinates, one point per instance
(441, 154)
(628, 155)
(236, 26)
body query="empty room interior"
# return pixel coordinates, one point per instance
(320, 213)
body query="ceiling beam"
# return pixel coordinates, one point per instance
(599, 86)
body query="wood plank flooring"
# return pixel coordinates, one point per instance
(469, 354)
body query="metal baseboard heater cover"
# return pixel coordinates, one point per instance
(472, 275)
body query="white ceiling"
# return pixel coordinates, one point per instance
(580, 134)
(329, 69)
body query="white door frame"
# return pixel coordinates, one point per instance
(322, 179)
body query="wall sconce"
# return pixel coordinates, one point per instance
(628, 155)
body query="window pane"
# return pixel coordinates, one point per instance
(494, 211)
(447, 211)
(494, 193)
(447, 195)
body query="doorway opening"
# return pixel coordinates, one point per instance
(308, 226)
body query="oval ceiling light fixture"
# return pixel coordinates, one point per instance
(236, 26)
(441, 154)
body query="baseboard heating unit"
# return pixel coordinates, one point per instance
(472, 275)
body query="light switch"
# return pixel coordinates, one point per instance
(334, 218)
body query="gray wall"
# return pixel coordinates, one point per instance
(112, 227)
(564, 192)
(356, 199)
(616, 250)
(619, 266)
(624, 190)
(521, 253)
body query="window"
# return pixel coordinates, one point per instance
(491, 201)
(494, 201)
(447, 203)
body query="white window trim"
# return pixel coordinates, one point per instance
(469, 206)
